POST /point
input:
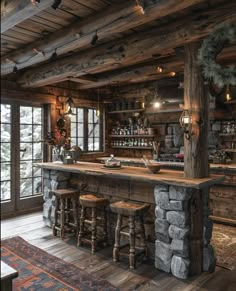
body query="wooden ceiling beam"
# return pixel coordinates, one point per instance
(131, 50)
(136, 74)
(14, 12)
(148, 72)
(115, 20)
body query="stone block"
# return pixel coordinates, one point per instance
(179, 193)
(163, 237)
(59, 176)
(62, 185)
(176, 232)
(160, 213)
(47, 210)
(163, 251)
(162, 199)
(163, 266)
(46, 174)
(53, 185)
(160, 189)
(209, 259)
(207, 231)
(180, 247)
(161, 226)
(178, 218)
(180, 267)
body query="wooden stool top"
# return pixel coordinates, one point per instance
(65, 193)
(91, 200)
(129, 208)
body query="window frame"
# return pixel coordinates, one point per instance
(86, 128)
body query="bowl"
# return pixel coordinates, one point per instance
(154, 168)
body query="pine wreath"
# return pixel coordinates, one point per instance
(211, 47)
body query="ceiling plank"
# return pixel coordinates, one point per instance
(131, 50)
(114, 20)
(14, 12)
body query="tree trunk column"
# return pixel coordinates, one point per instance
(196, 101)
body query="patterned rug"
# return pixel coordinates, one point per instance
(39, 270)
(224, 243)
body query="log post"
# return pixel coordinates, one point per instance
(196, 101)
(196, 149)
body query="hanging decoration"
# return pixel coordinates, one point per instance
(211, 47)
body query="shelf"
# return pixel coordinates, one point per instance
(230, 150)
(133, 147)
(227, 134)
(127, 111)
(133, 135)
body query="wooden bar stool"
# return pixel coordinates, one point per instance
(132, 211)
(91, 201)
(66, 211)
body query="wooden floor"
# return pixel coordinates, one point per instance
(144, 278)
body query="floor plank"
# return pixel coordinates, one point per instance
(144, 278)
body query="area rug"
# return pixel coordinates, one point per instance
(224, 243)
(39, 270)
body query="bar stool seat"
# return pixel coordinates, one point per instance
(93, 202)
(132, 211)
(66, 211)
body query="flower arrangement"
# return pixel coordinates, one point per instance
(59, 141)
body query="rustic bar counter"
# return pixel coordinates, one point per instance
(222, 195)
(177, 226)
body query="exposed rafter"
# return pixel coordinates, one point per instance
(131, 50)
(14, 12)
(117, 19)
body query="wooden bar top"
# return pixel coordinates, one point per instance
(169, 177)
(231, 166)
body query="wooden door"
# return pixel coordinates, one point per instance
(21, 147)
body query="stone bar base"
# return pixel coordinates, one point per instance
(52, 180)
(176, 238)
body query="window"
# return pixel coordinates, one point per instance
(31, 150)
(86, 129)
(5, 152)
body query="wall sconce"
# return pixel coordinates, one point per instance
(185, 121)
(70, 104)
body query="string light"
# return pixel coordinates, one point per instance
(141, 5)
(172, 74)
(35, 2)
(159, 69)
(94, 38)
(98, 106)
(53, 56)
(15, 69)
(56, 4)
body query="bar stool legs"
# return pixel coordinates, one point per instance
(116, 248)
(132, 242)
(81, 228)
(93, 230)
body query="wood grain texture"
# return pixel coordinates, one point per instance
(112, 21)
(196, 101)
(17, 11)
(130, 50)
(135, 174)
(145, 278)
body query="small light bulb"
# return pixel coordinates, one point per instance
(159, 69)
(228, 97)
(172, 74)
(157, 104)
